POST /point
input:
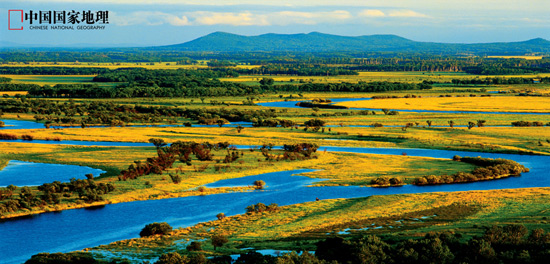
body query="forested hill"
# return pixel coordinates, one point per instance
(319, 42)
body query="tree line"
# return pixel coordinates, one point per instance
(47, 70)
(500, 81)
(297, 70)
(363, 87)
(94, 56)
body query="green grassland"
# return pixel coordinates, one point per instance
(55, 79)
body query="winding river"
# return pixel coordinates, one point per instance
(76, 229)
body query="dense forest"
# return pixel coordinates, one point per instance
(291, 63)
(114, 56)
(297, 70)
(108, 113)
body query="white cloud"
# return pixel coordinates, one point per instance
(308, 18)
(245, 18)
(228, 18)
(405, 13)
(178, 21)
(149, 18)
(372, 13)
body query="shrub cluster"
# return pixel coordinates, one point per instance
(51, 193)
(260, 207)
(528, 124)
(167, 155)
(489, 169)
(156, 229)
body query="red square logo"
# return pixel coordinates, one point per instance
(16, 14)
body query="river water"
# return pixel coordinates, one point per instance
(22, 173)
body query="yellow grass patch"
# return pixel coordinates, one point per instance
(496, 103)
(13, 93)
(413, 77)
(527, 57)
(114, 65)
(248, 136)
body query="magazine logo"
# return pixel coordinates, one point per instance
(18, 19)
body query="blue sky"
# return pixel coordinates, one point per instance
(162, 22)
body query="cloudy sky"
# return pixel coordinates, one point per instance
(162, 22)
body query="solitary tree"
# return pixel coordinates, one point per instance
(451, 123)
(158, 142)
(481, 123)
(175, 178)
(267, 81)
(429, 122)
(259, 184)
(194, 246)
(218, 241)
(221, 122)
(220, 216)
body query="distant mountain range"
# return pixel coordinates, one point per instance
(319, 42)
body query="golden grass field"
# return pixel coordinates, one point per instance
(378, 76)
(526, 57)
(115, 65)
(13, 93)
(488, 104)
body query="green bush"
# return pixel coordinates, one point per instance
(155, 229)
